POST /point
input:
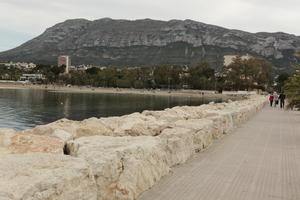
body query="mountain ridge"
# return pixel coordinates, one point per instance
(121, 42)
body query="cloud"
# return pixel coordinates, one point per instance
(26, 19)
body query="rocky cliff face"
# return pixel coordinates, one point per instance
(150, 42)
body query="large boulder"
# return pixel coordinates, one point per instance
(65, 129)
(178, 144)
(40, 176)
(135, 124)
(12, 142)
(202, 131)
(123, 167)
(222, 119)
(166, 115)
(91, 127)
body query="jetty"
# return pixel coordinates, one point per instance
(232, 150)
(259, 160)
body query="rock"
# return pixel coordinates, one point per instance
(111, 122)
(188, 112)
(41, 176)
(12, 142)
(123, 167)
(135, 125)
(65, 129)
(113, 42)
(58, 133)
(178, 144)
(92, 127)
(223, 121)
(202, 131)
(168, 115)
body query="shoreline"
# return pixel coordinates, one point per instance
(171, 93)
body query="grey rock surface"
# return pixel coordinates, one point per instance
(151, 42)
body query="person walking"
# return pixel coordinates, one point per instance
(271, 99)
(282, 99)
(275, 99)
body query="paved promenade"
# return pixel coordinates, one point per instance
(258, 161)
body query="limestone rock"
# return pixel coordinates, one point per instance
(91, 127)
(123, 167)
(65, 129)
(40, 176)
(12, 142)
(202, 131)
(178, 143)
(167, 115)
(135, 124)
(188, 112)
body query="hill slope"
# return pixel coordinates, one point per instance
(151, 42)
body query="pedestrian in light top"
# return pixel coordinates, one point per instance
(275, 99)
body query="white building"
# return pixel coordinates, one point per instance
(35, 77)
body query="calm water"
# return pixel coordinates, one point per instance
(25, 108)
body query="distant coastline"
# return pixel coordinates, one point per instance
(175, 93)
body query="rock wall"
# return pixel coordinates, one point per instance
(114, 157)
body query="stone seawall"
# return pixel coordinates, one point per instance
(111, 158)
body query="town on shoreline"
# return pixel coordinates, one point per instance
(158, 92)
(199, 77)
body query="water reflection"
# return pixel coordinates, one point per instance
(25, 108)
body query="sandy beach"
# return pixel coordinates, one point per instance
(182, 93)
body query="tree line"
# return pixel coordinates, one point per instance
(241, 74)
(291, 86)
(164, 77)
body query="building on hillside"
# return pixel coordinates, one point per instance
(5, 77)
(31, 65)
(81, 68)
(19, 65)
(64, 61)
(228, 59)
(32, 77)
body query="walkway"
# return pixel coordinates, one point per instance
(258, 161)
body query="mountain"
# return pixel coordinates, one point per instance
(151, 42)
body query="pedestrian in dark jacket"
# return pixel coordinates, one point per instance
(271, 99)
(282, 99)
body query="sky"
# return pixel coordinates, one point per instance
(22, 20)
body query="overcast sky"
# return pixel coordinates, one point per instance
(22, 20)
